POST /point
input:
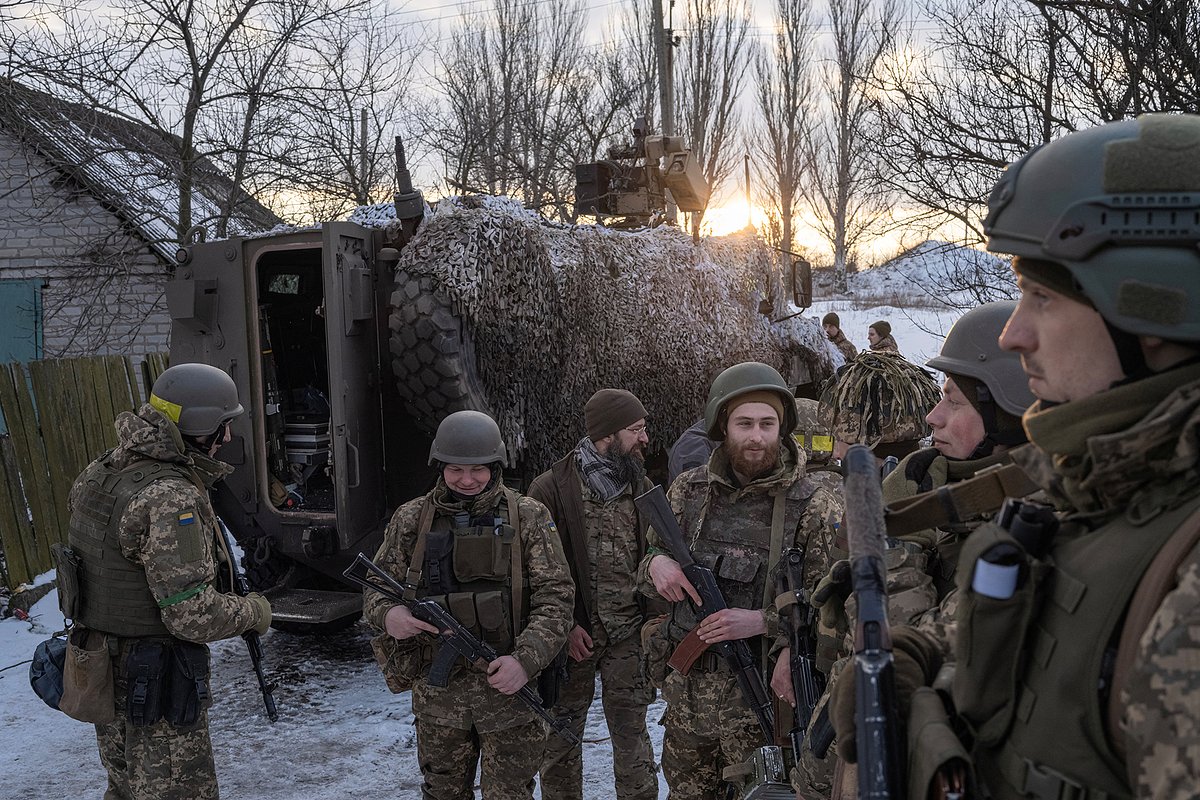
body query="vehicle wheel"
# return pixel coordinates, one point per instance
(433, 355)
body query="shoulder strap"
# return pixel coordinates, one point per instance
(415, 566)
(514, 519)
(958, 502)
(1157, 582)
(778, 516)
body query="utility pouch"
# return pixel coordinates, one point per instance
(482, 553)
(88, 679)
(551, 679)
(188, 694)
(67, 566)
(146, 669)
(492, 613)
(656, 650)
(938, 760)
(402, 662)
(991, 636)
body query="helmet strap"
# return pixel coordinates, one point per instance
(1129, 352)
(993, 436)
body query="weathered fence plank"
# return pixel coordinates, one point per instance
(31, 460)
(15, 531)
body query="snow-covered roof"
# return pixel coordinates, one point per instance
(129, 167)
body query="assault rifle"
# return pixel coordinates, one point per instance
(876, 725)
(241, 587)
(807, 682)
(654, 507)
(455, 640)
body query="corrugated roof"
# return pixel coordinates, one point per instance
(129, 167)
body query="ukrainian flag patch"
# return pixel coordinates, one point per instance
(186, 518)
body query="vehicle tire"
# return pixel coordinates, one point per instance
(432, 353)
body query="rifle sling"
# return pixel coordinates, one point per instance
(412, 578)
(515, 573)
(958, 502)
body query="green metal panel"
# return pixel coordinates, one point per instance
(20, 323)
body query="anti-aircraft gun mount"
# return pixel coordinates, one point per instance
(628, 189)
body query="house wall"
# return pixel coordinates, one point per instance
(102, 288)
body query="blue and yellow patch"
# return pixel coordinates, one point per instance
(186, 518)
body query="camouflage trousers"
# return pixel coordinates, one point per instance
(155, 762)
(708, 728)
(625, 693)
(449, 756)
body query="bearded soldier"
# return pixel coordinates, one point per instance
(750, 501)
(1076, 644)
(493, 558)
(590, 495)
(148, 546)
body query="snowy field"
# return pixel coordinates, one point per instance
(340, 732)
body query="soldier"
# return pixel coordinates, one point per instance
(832, 324)
(494, 559)
(750, 501)
(590, 495)
(148, 545)
(879, 334)
(1101, 700)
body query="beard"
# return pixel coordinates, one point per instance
(629, 465)
(753, 463)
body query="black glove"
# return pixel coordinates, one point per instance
(916, 661)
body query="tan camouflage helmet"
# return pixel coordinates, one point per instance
(811, 436)
(198, 398)
(468, 437)
(879, 397)
(1117, 206)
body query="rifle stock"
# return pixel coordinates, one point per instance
(454, 640)
(654, 507)
(241, 587)
(880, 768)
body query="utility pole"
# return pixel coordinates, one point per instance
(664, 53)
(362, 158)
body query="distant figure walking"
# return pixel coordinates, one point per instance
(879, 334)
(833, 329)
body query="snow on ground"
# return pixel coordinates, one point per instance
(340, 732)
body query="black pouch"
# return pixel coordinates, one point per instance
(551, 679)
(146, 669)
(66, 564)
(188, 687)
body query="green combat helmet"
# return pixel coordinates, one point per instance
(198, 398)
(879, 398)
(749, 376)
(1118, 206)
(468, 437)
(811, 436)
(972, 348)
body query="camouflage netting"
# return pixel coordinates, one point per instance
(555, 312)
(879, 397)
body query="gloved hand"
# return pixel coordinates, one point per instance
(829, 598)
(916, 661)
(262, 608)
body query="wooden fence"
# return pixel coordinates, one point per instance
(59, 415)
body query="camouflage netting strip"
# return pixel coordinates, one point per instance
(557, 312)
(879, 397)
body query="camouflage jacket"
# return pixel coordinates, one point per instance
(886, 345)
(1116, 461)
(603, 543)
(708, 496)
(180, 560)
(844, 345)
(468, 700)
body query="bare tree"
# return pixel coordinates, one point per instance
(783, 95)
(841, 184)
(713, 62)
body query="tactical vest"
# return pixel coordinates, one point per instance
(114, 595)
(467, 564)
(1037, 710)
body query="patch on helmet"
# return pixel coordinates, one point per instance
(1164, 305)
(1165, 157)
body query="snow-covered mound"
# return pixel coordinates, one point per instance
(936, 274)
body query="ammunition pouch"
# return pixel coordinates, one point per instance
(88, 694)
(485, 614)
(991, 638)
(167, 680)
(482, 553)
(146, 670)
(189, 695)
(401, 662)
(439, 562)
(551, 679)
(656, 650)
(67, 567)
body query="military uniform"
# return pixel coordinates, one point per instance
(147, 538)
(459, 722)
(844, 345)
(708, 725)
(605, 542)
(887, 344)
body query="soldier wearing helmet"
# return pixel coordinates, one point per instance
(141, 579)
(748, 503)
(1104, 703)
(494, 559)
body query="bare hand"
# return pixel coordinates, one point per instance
(579, 644)
(401, 624)
(781, 678)
(669, 580)
(731, 623)
(506, 675)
